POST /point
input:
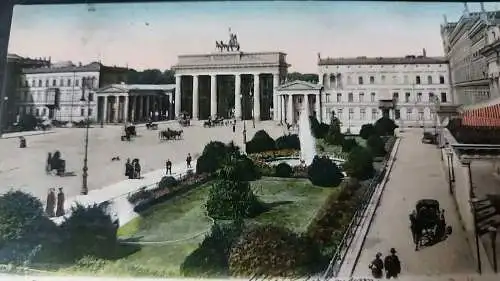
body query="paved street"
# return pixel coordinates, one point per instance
(25, 168)
(417, 174)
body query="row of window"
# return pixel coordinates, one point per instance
(44, 112)
(91, 82)
(339, 112)
(41, 96)
(395, 96)
(395, 80)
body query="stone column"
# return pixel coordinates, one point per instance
(237, 96)
(282, 108)
(105, 109)
(289, 110)
(329, 81)
(140, 114)
(321, 77)
(213, 95)
(276, 82)
(196, 110)
(318, 108)
(178, 80)
(132, 108)
(125, 109)
(115, 109)
(306, 104)
(256, 97)
(148, 109)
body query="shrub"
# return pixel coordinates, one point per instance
(376, 146)
(24, 229)
(260, 142)
(288, 142)
(324, 172)
(348, 189)
(359, 164)
(367, 130)
(349, 144)
(334, 136)
(269, 250)
(214, 155)
(385, 126)
(211, 257)
(28, 122)
(243, 168)
(90, 231)
(318, 130)
(228, 199)
(283, 170)
(167, 182)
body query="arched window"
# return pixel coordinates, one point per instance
(360, 80)
(429, 80)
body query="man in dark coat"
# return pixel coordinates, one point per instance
(188, 160)
(415, 229)
(60, 203)
(51, 203)
(377, 266)
(168, 166)
(128, 169)
(392, 265)
(48, 165)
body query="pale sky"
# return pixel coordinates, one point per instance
(152, 35)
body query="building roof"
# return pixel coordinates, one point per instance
(299, 85)
(138, 87)
(382, 60)
(91, 67)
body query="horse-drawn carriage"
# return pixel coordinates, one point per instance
(219, 121)
(151, 126)
(169, 134)
(427, 223)
(129, 133)
(184, 119)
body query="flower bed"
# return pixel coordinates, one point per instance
(144, 198)
(274, 154)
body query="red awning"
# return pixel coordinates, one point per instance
(488, 116)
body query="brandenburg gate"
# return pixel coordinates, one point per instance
(229, 83)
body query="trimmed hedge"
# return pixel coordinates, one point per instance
(283, 170)
(288, 142)
(367, 130)
(324, 172)
(260, 142)
(359, 164)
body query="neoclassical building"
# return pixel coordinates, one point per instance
(295, 96)
(118, 103)
(56, 91)
(229, 84)
(407, 89)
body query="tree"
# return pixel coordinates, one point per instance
(324, 172)
(367, 130)
(288, 142)
(214, 155)
(318, 130)
(359, 164)
(283, 170)
(385, 126)
(24, 229)
(309, 77)
(28, 122)
(348, 144)
(150, 76)
(334, 134)
(376, 146)
(90, 231)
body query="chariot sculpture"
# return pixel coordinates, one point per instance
(231, 45)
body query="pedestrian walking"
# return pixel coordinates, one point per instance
(51, 203)
(137, 169)
(377, 266)
(392, 265)
(60, 203)
(168, 166)
(188, 160)
(48, 165)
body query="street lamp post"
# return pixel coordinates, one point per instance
(85, 85)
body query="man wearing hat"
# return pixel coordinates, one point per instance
(392, 265)
(377, 266)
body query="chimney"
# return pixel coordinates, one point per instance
(424, 53)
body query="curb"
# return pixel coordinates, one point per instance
(26, 135)
(376, 202)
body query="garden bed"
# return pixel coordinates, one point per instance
(293, 203)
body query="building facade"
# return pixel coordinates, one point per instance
(464, 44)
(229, 84)
(360, 90)
(58, 92)
(118, 103)
(298, 96)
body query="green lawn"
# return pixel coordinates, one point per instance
(294, 202)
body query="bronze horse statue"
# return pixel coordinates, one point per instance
(230, 46)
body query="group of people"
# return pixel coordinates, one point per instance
(54, 202)
(22, 142)
(168, 164)
(390, 264)
(133, 169)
